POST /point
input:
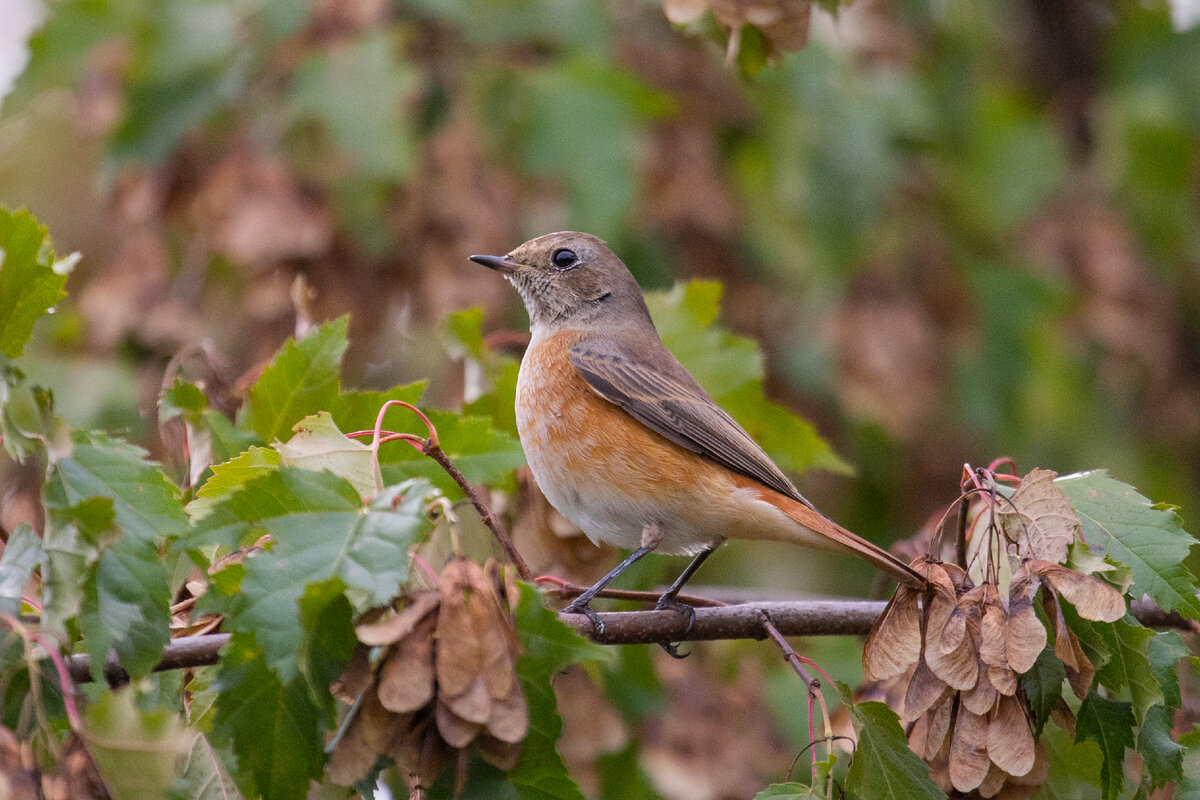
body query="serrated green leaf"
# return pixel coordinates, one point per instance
(482, 453)
(1127, 665)
(1043, 686)
(277, 730)
(356, 411)
(1164, 652)
(1162, 756)
(1109, 724)
(134, 749)
(301, 380)
(319, 445)
(321, 530)
(326, 616)
(31, 278)
(22, 554)
(730, 368)
(203, 774)
(1129, 529)
(883, 764)
(72, 541)
(127, 593)
(1189, 785)
(125, 607)
(548, 646)
(231, 476)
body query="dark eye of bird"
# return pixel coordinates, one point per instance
(564, 258)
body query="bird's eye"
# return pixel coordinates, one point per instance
(564, 258)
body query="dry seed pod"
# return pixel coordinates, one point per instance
(992, 633)
(894, 643)
(924, 691)
(455, 731)
(969, 760)
(406, 678)
(1004, 679)
(993, 783)
(982, 698)
(1024, 636)
(1080, 670)
(395, 625)
(1010, 740)
(958, 666)
(1091, 597)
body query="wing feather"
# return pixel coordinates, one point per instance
(670, 402)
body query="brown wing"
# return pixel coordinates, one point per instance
(669, 401)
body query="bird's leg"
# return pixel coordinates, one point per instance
(668, 601)
(580, 605)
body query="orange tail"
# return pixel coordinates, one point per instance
(842, 539)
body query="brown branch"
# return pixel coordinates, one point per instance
(740, 621)
(435, 452)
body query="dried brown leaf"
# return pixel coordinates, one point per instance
(1040, 519)
(1080, 670)
(924, 691)
(1010, 740)
(395, 625)
(1025, 636)
(894, 643)
(500, 754)
(509, 719)
(1003, 678)
(982, 698)
(939, 726)
(993, 783)
(356, 677)
(455, 731)
(406, 677)
(1092, 598)
(969, 760)
(474, 705)
(992, 633)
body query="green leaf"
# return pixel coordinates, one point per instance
(72, 541)
(788, 791)
(319, 445)
(622, 777)
(1189, 785)
(301, 380)
(326, 617)
(1074, 767)
(883, 765)
(22, 554)
(730, 368)
(277, 730)
(356, 411)
(1164, 652)
(548, 646)
(182, 399)
(1127, 665)
(321, 530)
(1129, 529)
(134, 749)
(1043, 686)
(32, 278)
(482, 453)
(203, 773)
(127, 593)
(1109, 724)
(231, 476)
(1162, 756)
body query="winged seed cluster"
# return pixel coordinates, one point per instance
(441, 678)
(949, 659)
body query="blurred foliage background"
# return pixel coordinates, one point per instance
(960, 231)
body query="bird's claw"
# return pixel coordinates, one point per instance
(689, 614)
(589, 612)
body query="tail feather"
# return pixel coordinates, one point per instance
(817, 522)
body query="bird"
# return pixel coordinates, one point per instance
(623, 440)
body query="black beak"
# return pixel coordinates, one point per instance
(502, 264)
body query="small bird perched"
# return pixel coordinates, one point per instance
(622, 439)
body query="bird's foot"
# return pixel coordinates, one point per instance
(584, 608)
(666, 603)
